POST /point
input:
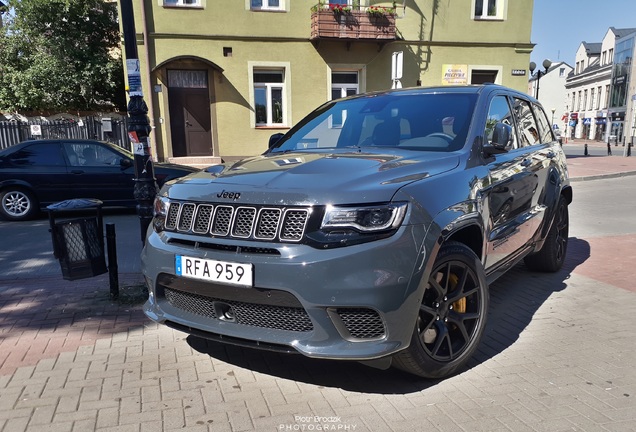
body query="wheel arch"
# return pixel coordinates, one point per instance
(471, 235)
(16, 183)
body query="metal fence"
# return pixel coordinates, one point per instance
(113, 130)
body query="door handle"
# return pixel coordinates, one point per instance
(188, 123)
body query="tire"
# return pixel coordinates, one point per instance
(551, 256)
(17, 204)
(452, 316)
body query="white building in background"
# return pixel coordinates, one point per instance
(588, 89)
(550, 89)
(623, 91)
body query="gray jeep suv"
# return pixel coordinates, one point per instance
(369, 232)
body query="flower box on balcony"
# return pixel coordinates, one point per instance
(352, 25)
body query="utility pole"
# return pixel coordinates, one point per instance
(138, 123)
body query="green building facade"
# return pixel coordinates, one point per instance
(220, 78)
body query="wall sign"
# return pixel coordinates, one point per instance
(518, 72)
(454, 74)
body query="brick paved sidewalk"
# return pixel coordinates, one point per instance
(558, 355)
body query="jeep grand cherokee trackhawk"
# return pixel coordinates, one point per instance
(369, 232)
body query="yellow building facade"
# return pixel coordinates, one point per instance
(220, 78)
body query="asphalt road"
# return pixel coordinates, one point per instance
(604, 207)
(27, 248)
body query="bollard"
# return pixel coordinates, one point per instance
(111, 243)
(609, 149)
(629, 149)
(585, 153)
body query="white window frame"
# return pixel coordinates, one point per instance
(499, 15)
(182, 4)
(286, 93)
(493, 68)
(344, 87)
(266, 7)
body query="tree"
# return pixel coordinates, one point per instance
(61, 55)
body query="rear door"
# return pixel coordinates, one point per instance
(96, 172)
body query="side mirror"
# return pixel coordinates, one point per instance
(274, 139)
(501, 140)
(125, 163)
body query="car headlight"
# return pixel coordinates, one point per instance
(160, 211)
(365, 219)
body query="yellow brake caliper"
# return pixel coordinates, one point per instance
(459, 306)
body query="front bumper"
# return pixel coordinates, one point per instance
(358, 302)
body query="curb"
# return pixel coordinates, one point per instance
(602, 176)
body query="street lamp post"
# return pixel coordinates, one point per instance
(145, 187)
(546, 65)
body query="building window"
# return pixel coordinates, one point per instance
(482, 76)
(591, 99)
(343, 84)
(267, 4)
(269, 97)
(578, 104)
(488, 9)
(610, 56)
(182, 2)
(561, 72)
(584, 100)
(607, 92)
(598, 99)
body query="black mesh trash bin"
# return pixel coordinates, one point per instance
(78, 243)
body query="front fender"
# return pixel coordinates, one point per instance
(14, 182)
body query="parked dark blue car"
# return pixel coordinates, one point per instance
(34, 174)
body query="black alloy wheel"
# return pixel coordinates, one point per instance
(452, 316)
(552, 254)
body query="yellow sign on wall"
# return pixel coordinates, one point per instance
(454, 74)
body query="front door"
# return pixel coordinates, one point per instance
(190, 121)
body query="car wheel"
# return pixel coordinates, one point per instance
(552, 254)
(17, 204)
(452, 316)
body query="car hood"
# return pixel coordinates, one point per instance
(176, 167)
(308, 178)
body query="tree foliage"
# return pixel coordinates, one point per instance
(60, 55)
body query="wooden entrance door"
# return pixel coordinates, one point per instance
(190, 122)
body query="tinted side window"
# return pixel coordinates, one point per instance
(544, 127)
(528, 129)
(38, 155)
(499, 112)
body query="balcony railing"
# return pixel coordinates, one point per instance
(352, 25)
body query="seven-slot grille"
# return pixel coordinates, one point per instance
(246, 222)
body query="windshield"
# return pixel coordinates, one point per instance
(429, 122)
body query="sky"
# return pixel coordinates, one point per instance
(559, 26)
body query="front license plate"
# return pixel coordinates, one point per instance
(215, 271)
